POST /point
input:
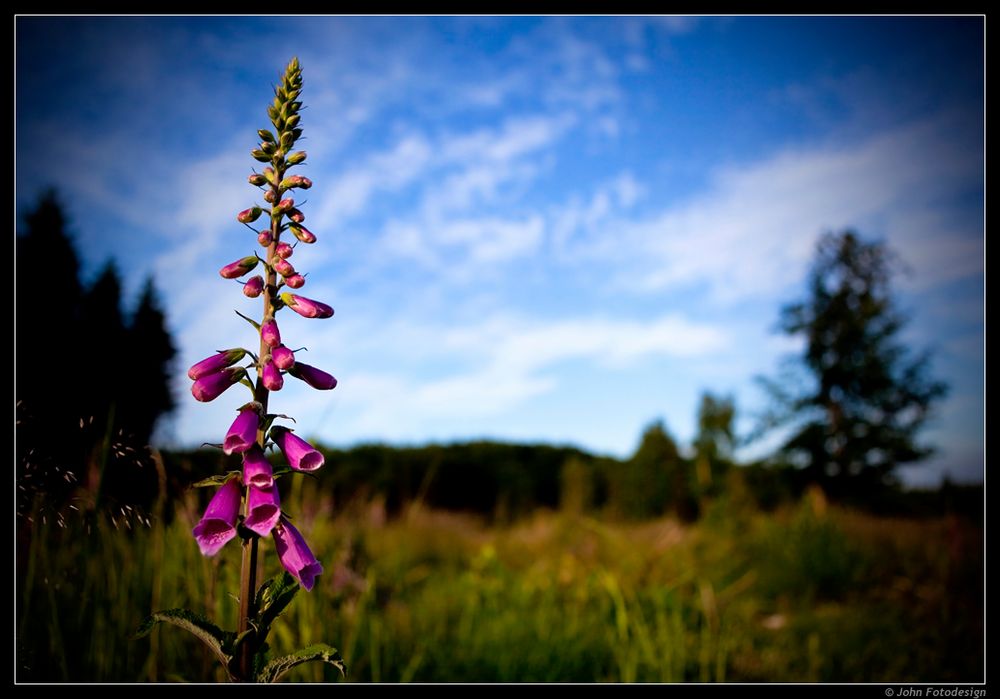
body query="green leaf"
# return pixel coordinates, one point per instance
(271, 417)
(272, 598)
(321, 652)
(252, 322)
(211, 635)
(220, 479)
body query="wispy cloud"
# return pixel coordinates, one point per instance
(485, 369)
(351, 192)
(752, 233)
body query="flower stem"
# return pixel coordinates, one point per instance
(248, 572)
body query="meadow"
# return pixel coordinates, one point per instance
(808, 592)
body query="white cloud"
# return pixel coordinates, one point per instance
(402, 376)
(608, 203)
(753, 232)
(390, 170)
(606, 341)
(101, 170)
(492, 240)
(460, 168)
(503, 361)
(517, 137)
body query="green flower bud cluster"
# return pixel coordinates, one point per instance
(276, 148)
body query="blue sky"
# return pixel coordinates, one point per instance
(544, 229)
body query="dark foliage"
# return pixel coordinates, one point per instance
(90, 382)
(868, 395)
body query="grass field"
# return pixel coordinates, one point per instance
(807, 593)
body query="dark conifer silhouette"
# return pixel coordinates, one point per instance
(867, 396)
(150, 351)
(90, 384)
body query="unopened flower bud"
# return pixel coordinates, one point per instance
(282, 357)
(296, 181)
(287, 139)
(303, 234)
(257, 180)
(283, 250)
(296, 157)
(269, 332)
(268, 147)
(217, 362)
(264, 238)
(270, 196)
(260, 155)
(254, 286)
(270, 175)
(239, 268)
(211, 386)
(296, 216)
(317, 378)
(307, 308)
(291, 121)
(249, 215)
(296, 281)
(285, 204)
(271, 377)
(284, 268)
(265, 135)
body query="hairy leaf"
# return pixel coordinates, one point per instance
(211, 635)
(272, 598)
(320, 652)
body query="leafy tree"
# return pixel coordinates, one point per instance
(714, 443)
(869, 395)
(655, 480)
